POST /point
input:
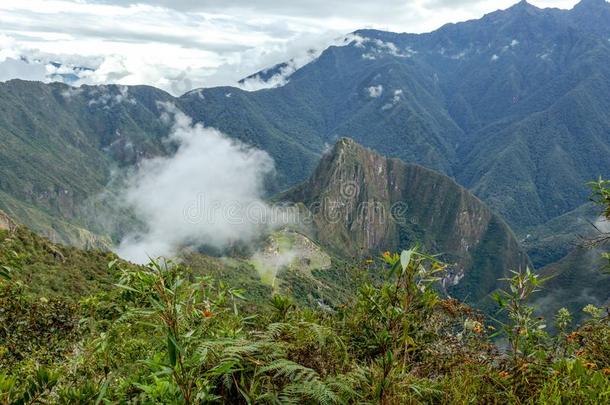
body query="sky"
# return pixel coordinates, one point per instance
(179, 45)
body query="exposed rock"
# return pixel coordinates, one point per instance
(362, 203)
(6, 223)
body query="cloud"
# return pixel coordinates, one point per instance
(398, 94)
(12, 68)
(209, 192)
(375, 91)
(280, 74)
(104, 96)
(325, 8)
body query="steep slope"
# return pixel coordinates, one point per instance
(577, 280)
(578, 272)
(59, 146)
(51, 270)
(360, 203)
(550, 242)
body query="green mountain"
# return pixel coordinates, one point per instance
(563, 251)
(576, 281)
(514, 105)
(60, 146)
(360, 203)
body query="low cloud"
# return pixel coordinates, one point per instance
(375, 91)
(208, 193)
(398, 94)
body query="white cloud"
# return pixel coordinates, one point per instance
(12, 68)
(108, 97)
(398, 94)
(207, 193)
(282, 77)
(375, 91)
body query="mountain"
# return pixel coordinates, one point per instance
(513, 106)
(60, 145)
(563, 252)
(550, 242)
(575, 281)
(360, 203)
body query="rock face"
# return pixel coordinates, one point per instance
(361, 203)
(6, 223)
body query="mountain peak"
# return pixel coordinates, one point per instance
(345, 143)
(521, 9)
(524, 5)
(364, 203)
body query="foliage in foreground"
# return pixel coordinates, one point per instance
(165, 336)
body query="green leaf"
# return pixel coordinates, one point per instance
(102, 393)
(405, 258)
(5, 272)
(171, 349)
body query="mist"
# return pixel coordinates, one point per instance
(209, 192)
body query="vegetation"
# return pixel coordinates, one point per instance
(165, 335)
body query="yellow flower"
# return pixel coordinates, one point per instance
(387, 255)
(504, 374)
(591, 366)
(606, 371)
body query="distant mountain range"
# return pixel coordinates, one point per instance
(514, 105)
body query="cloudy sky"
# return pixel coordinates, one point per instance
(178, 45)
